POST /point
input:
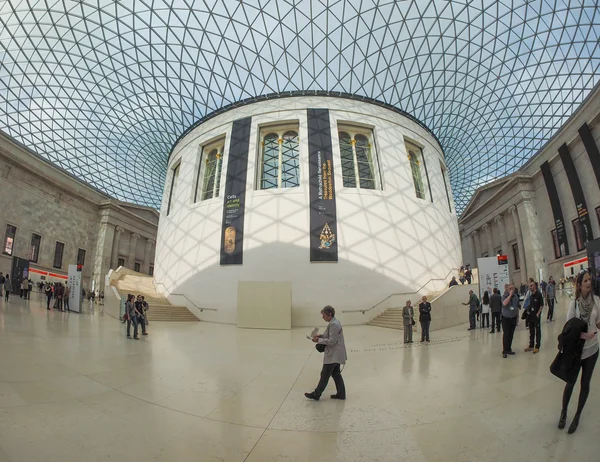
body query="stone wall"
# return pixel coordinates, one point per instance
(37, 197)
(515, 212)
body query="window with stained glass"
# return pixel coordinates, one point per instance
(280, 159)
(174, 177)
(415, 157)
(208, 183)
(357, 158)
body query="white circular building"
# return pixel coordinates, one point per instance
(299, 202)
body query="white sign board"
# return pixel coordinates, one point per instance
(75, 298)
(493, 273)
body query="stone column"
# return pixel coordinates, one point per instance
(476, 248)
(115, 251)
(499, 220)
(532, 240)
(487, 229)
(132, 246)
(515, 216)
(103, 252)
(147, 255)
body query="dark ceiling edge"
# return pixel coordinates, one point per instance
(297, 93)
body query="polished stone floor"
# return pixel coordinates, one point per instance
(73, 388)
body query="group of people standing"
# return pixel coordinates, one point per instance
(136, 313)
(60, 294)
(409, 321)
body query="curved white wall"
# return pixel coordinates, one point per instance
(389, 240)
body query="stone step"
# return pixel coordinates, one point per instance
(388, 321)
(387, 326)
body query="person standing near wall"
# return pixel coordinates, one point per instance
(2, 279)
(473, 304)
(7, 287)
(510, 312)
(586, 307)
(534, 313)
(48, 295)
(485, 309)
(550, 296)
(425, 318)
(496, 308)
(408, 314)
(335, 356)
(66, 293)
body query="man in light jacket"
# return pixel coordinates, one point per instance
(335, 356)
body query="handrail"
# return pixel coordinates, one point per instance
(402, 293)
(185, 296)
(197, 307)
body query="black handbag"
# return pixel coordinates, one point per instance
(566, 367)
(320, 347)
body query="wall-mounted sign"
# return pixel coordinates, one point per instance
(323, 224)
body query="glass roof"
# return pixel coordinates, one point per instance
(104, 88)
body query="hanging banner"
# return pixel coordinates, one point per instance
(591, 148)
(559, 222)
(323, 226)
(577, 190)
(232, 230)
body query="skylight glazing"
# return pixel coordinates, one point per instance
(103, 88)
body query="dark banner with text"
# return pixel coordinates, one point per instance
(591, 148)
(582, 210)
(559, 222)
(323, 226)
(232, 232)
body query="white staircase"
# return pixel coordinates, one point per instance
(392, 317)
(160, 308)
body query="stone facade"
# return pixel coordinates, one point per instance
(39, 198)
(513, 215)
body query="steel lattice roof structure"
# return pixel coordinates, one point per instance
(104, 88)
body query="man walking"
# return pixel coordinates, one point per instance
(534, 312)
(335, 356)
(473, 304)
(550, 296)
(496, 307)
(425, 318)
(510, 312)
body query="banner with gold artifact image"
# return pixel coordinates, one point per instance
(323, 226)
(232, 230)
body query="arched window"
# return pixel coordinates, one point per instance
(358, 163)
(208, 182)
(280, 163)
(415, 168)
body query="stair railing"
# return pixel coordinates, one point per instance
(182, 295)
(403, 293)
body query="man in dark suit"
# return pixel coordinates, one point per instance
(424, 318)
(496, 307)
